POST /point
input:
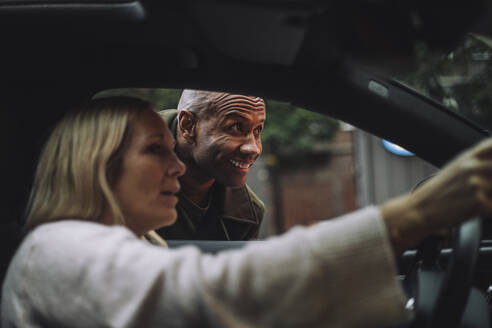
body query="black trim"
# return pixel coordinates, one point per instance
(44, 11)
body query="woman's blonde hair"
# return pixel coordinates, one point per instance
(80, 161)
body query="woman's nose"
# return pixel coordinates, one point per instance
(176, 167)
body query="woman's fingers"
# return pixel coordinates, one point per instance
(485, 199)
(484, 166)
(482, 188)
(483, 149)
(468, 167)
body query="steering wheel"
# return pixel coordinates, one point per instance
(440, 297)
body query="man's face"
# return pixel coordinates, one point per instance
(228, 138)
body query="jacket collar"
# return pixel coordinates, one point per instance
(238, 205)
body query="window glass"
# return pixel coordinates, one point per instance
(314, 167)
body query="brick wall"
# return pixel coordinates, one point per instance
(323, 188)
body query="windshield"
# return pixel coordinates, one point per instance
(461, 80)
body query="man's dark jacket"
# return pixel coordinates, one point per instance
(233, 213)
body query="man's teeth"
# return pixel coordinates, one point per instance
(240, 164)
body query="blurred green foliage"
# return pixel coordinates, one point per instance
(291, 132)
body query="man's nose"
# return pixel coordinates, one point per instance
(251, 146)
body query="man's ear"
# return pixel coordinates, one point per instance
(187, 125)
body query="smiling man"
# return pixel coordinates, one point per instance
(218, 137)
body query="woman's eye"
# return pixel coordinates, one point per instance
(155, 149)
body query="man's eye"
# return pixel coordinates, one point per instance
(236, 127)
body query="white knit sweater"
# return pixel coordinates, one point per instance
(339, 273)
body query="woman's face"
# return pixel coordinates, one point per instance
(148, 181)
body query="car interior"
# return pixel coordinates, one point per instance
(337, 58)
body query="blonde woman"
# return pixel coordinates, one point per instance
(82, 173)
(108, 176)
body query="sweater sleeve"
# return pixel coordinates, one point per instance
(340, 273)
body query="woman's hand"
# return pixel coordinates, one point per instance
(460, 191)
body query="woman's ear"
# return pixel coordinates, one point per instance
(187, 125)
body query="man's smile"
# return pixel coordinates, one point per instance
(241, 164)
